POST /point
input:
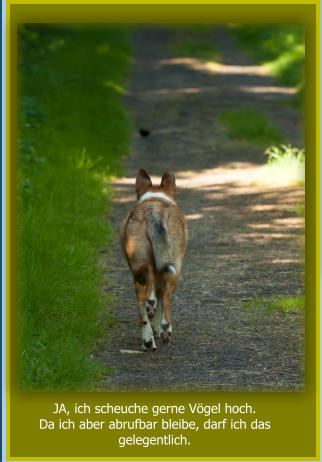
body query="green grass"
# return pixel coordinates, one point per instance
(248, 125)
(280, 47)
(196, 48)
(283, 305)
(72, 134)
(286, 165)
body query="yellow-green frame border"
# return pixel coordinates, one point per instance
(166, 11)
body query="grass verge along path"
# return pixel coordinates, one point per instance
(280, 48)
(246, 124)
(72, 134)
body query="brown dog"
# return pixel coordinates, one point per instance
(153, 238)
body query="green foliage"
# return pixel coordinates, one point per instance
(286, 165)
(284, 153)
(196, 48)
(281, 47)
(248, 125)
(283, 305)
(72, 133)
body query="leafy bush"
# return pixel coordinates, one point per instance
(281, 47)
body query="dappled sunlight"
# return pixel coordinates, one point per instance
(125, 190)
(268, 89)
(259, 216)
(125, 199)
(231, 180)
(121, 188)
(261, 238)
(259, 225)
(244, 238)
(216, 196)
(228, 210)
(283, 177)
(233, 172)
(280, 223)
(265, 207)
(257, 79)
(286, 261)
(168, 91)
(177, 91)
(211, 67)
(195, 216)
(239, 173)
(293, 222)
(215, 208)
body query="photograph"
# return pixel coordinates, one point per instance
(161, 207)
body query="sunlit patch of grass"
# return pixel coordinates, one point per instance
(72, 131)
(285, 166)
(248, 125)
(114, 86)
(283, 305)
(197, 48)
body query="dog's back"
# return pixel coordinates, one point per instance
(154, 234)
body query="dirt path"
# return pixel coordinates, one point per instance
(244, 239)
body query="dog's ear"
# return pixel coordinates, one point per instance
(143, 182)
(168, 182)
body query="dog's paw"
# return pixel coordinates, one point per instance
(166, 333)
(149, 345)
(156, 331)
(148, 342)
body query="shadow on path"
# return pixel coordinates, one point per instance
(244, 240)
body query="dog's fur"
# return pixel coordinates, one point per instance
(153, 239)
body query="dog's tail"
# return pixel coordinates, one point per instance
(161, 243)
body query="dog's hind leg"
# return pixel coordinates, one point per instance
(151, 299)
(156, 321)
(148, 342)
(166, 323)
(170, 282)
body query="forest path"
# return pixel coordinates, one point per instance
(243, 238)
